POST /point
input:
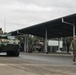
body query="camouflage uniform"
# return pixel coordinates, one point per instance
(73, 47)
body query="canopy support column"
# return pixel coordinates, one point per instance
(25, 46)
(46, 51)
(27, 43)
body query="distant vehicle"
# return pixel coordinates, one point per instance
(38, 46)
(9, 44)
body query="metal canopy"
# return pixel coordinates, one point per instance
(55, 28)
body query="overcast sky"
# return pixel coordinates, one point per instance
(17, 14)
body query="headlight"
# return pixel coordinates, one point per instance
(4, 41)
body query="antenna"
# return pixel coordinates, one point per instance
(4, 24)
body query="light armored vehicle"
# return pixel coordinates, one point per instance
(9, 44)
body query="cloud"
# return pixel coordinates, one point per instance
(24, 13)
(33, 7)
(56, 3)
(27, 7)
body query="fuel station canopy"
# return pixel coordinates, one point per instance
(61, 27)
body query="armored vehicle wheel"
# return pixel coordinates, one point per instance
(16, 53)
(9, 53)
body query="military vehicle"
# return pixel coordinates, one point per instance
(38, 46)
(9, 44)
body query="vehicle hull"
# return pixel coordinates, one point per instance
(9, 47)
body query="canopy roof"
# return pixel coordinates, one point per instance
(55, 28)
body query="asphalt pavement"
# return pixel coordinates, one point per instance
(37, 64)
(64, 59)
